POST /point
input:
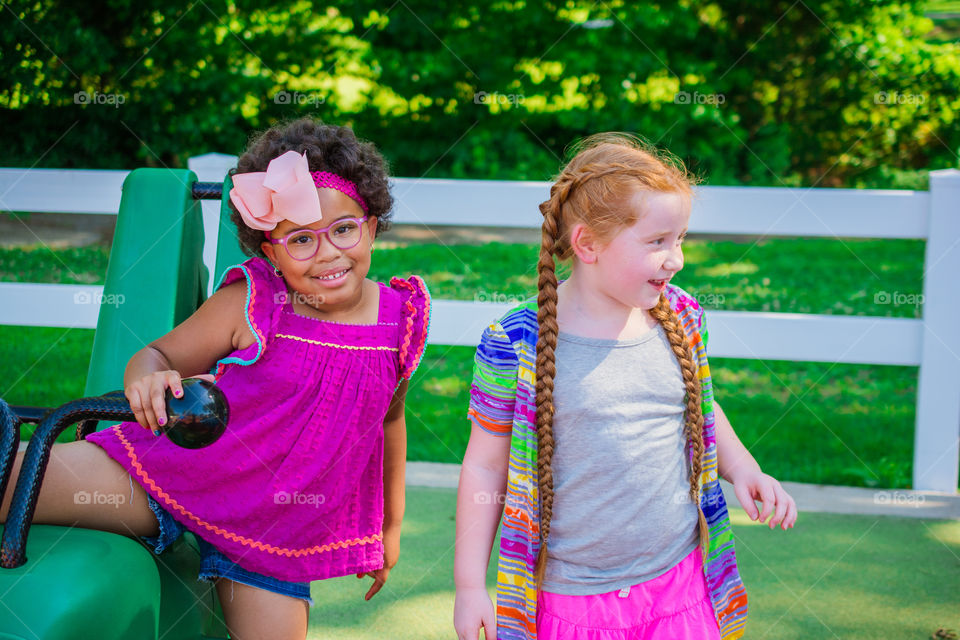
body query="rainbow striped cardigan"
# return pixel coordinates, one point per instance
(502, 402)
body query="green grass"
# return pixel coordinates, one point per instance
(73, 265)
(832, 576)
(803, 421)
(798, 275)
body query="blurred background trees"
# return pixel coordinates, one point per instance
(815, 92)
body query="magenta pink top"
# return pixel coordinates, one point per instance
(294, 487)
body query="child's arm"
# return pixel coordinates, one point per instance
(738, 467)
(191, 348)
(480, 498)
(394, 496)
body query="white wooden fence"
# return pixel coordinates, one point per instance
(932, 343)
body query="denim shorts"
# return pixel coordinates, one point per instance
(214, 564)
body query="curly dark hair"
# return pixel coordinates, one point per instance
(328, 148)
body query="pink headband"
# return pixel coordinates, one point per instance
(287, 190)
(327, 180)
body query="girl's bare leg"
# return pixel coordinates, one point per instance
(85, 487)
(258, 614)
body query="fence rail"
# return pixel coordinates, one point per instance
(932, 343)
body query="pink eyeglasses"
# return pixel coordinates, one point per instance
(303, 244)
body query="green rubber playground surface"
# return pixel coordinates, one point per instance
(831, 576)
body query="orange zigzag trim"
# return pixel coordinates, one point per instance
(256, 544)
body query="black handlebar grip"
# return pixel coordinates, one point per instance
(14, 543)
(9, 443)
(196, 420)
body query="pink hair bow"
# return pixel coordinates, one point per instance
(285, 191)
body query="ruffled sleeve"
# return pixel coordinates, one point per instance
(266, 294)
(414, 322)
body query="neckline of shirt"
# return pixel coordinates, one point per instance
(608, 342)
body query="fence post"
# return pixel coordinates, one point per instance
(211, 167)
(936, 453)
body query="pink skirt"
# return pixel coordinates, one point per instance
(674, 605)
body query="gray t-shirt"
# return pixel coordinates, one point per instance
(621, 512)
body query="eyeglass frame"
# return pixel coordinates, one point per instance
(326, 232)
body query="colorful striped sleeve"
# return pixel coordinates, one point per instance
(702, 327)
(494, 389)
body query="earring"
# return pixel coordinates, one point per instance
(278, 273)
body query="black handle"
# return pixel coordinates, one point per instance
(14, 544)
(196, 420)
(207, 190)
(9, 442)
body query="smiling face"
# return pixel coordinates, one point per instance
(333, 278)
(634, 267)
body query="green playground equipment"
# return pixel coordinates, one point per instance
(80, 583)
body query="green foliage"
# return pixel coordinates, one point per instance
(824, 93)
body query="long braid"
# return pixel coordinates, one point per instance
(693, 423)
(546, 368)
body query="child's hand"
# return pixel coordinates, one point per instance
(473, 609)
(146, 397)
(759, 486)
(391, 554)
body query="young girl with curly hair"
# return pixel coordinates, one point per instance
(307, 482)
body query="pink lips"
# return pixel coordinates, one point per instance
(658, 285)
